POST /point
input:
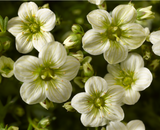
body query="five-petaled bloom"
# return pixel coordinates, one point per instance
(132, 125)
(113, 36)
(100, 103)
(131, 75)
(31, 27)
(47, 76)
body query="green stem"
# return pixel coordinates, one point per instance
(30, 127)
(96, 128)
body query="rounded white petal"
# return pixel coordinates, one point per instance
(110, 79)
(131, 97)
(143, 79)
(58, 90)
(26, 68)
(132, 63)
(96, 85)
(33, 92)
(94, 42)
(99, 19)
(116, 53)
(81, 102)
(136, 125)
(115, 70)
(41, 38)
(15, 26)
(116, 126)
(94, 118)
(156, 48)
(154, 37)
(46, 18)
(53, 55)
(69, 69)
(97, 2)
(133, 35)
(123, 14)
(27, 11)
(24, 43)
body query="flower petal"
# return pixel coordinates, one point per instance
(58, 90)
(96, 86)
(46, 18)
(27, 68)
(136, 125)
(33, 92)
(99, 19)
(143, 79)
(97, 2)
(132, 63)
(156, 48)
(53, 55)
(15, 26)
(69, 69)
(116, 53)
(133, 35)
(27, 11)
(110, 79)
(123, 14)
(154, 37)
(24, 43)
(94, 42)
(41, 38)
(81, 102)
(116, 126)
(131, 97)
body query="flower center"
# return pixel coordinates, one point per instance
(34, 27)
(127, 81)
(99, 102)
(114, 33)
(47, 74)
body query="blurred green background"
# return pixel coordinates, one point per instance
(68, 13)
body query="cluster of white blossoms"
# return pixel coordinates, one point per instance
(48, 76)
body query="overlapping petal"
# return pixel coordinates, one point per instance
(58, 90)
(123, 14)
(97, 2)
(133, 35)
(94, 42)
(116, 53)
(46, 18)
(110, 79)
(136, 125)
(116, 126)
(99, 19)
(26, 68)
(33, 92)
(53, 55)
(154, 37)
(69, 69)
(156, 48)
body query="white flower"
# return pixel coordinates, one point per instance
(47, 76)
(155, 40)
(31, 27)
(113, 36)
(132, 125)
(97, 2)
(131, 75)
(6, 66)
(99, 104)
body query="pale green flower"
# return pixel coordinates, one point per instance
(47, 76)
(31, 27)
(155, 40)
(131, 75)
(100, 103)
(6, 66)
(132, 125)
(113, 36)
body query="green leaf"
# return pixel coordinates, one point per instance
(5, 24)
(1, 23)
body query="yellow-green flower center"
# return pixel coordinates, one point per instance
(47, 74)
(113, 33)
(127, 81)
(99, 102)
(34, 27)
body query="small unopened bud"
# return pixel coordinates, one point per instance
(103, 128)
(103, 6)
(19, 111)
(68, 107)
(44, 6)
(13, 128)
(47, 104)
(88, 70)
(6, 45)
(146, 52)
(145, 13)
(78, 55)
(77, 29)
(44, 122)
(154, 64)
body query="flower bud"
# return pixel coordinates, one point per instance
(68, 107)
(154, 64)
(78, 55)
(88, 70)
(103, 128)
(47, 104)
(44, 122)
(13, 128)
(145, 13)
(77, 29)
(6, 45)
(103, 6)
